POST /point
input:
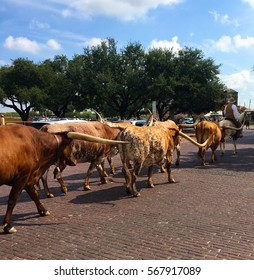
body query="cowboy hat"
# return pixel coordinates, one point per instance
(231, 100)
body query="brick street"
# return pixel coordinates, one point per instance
(207, 214)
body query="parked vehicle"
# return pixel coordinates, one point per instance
(39, 124)
(139, 122)
(188, 120)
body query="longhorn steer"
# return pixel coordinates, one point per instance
(176, 137)
(121, 125)
(83, 151)
(148, 145)
(26, 153)
(204, 130)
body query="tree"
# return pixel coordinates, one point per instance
(21, 87)
(131, 95)
(59, 88)
(95, 72)
(183, 82)
(160, 72)
(114, 81)
(198, 88)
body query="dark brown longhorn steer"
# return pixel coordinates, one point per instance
(148, 145)
(83, 151)
(26, 153)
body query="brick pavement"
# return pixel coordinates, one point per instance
(206, 214)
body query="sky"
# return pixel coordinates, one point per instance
(222, 29)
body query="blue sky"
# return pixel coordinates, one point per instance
(223, 30)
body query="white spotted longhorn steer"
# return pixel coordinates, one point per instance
(148, 145)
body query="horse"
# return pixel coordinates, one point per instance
(229, 130)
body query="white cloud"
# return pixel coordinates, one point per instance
(243, 82)
(37, 24)
(53, 45)
(224, 19)
(92, 42)
(128, 10)
(247, 42)
(21, 44)
(232, 44)
(224, 44)
(250, 2)
(164, 44)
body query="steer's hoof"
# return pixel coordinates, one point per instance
(44, 213)
(137, 194)
(64, 190)
(50, 195)
(9, 229)
(87, 188)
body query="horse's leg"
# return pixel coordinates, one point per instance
(222, 148)
(235, 150)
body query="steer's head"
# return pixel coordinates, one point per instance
(69, 156)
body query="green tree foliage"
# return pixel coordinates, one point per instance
(161, 80)
(198, 88)
(21, 87)
(183, 82)
(114, 82)
(59, 89)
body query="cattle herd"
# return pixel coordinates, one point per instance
(27, 153)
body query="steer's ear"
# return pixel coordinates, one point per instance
(174, 129)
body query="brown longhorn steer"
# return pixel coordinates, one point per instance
(83, 151)
(204, 130)
(26, 153)
(148, 145)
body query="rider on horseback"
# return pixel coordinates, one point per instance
(231, 113)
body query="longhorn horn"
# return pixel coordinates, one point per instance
(99, 116)
(188, 125)
(90, 138)
(194, 142)
(150, 118)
